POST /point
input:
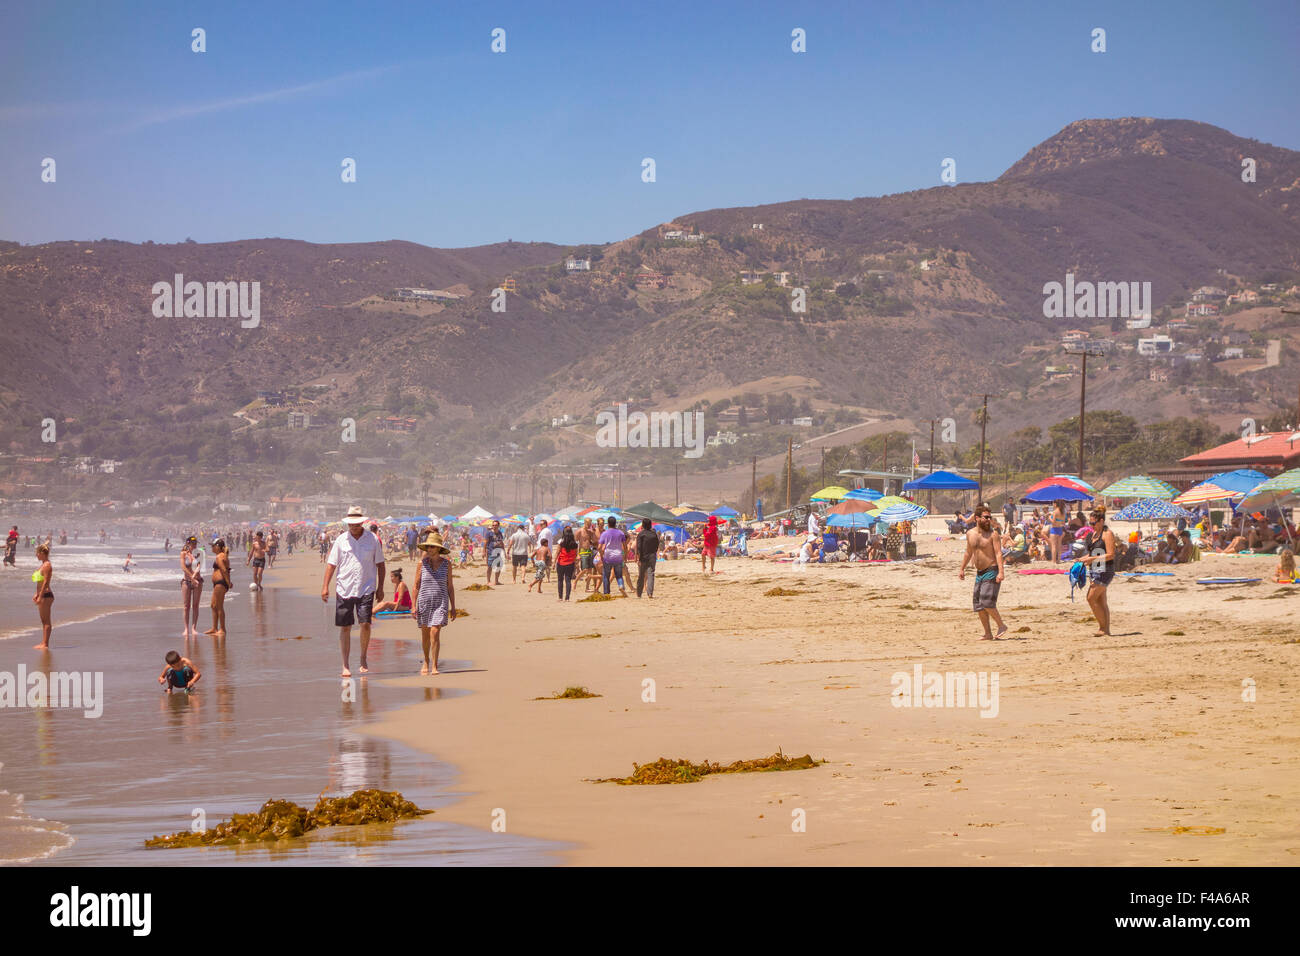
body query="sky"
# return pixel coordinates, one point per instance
(456, 145)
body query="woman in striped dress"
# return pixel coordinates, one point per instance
(434, 598)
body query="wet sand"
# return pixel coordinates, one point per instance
(1147, 727)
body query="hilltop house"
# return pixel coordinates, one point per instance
(1201, 308)
(1234, 352)
(1074, 335)
(299, 420)
(573, 264)
(1246, 295)
(1141, 322)
(674, 234)
(1207, 292)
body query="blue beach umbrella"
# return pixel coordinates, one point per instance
(896, 513)
(690, 517)
(1146, 509)
(724, 512)
(941, 481)
(858, 519)
(865, 494)
(1050, 493)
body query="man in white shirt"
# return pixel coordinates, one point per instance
(812, 523)
(359, 559)
(520, 544)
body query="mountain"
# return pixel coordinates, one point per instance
(915, 302)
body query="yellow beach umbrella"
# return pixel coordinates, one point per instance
(830, 493)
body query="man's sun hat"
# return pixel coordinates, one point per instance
(355, 516)
(434, 540)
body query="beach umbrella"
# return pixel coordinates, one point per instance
(864, 494)
(450, 519)
(830, 493)
(1281, 490)
(1051, 493)
(680, 535)
(724, 512)
(850, 506)
(1140, 486)
(692, 516)
(1062, 481)
(901, 512)
(656, 513)
(888, 500)
(1204, 492)
(856, 520)
(941, 481)
(683, 507)
(1240, 480)
(1146, 509)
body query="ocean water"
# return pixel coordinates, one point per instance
(269, 719)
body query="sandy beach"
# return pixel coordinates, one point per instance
(1099, 752)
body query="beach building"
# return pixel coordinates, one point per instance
(1269, 452)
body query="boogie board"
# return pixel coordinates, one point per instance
(392, 614)
(1228, 580)
(1147, 574)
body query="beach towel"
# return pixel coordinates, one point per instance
(1228, 580)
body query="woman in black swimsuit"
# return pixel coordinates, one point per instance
(44, 597)
(1100, 547)
(220, 585)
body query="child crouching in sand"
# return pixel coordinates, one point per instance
(180, 673)
(434, 598)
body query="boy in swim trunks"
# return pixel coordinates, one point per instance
(179, 674)
(984, 546)
(257, 558)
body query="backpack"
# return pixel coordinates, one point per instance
(1078, 577)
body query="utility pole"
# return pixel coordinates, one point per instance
(677, 495)
(618, 494)
(823, 466)
(789, 462)
(1083, 349)
(984, 420)
(753, 485)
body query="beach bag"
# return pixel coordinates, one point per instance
(1078, 577)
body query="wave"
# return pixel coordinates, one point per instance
(27, 631)
(25, 838)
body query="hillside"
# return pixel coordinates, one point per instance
(916, 304)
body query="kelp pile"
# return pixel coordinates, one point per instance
(460, 612)
(282, 819)
(782, 592)
(477, 587)
(570, 693)
(596, 596)
(664, 770)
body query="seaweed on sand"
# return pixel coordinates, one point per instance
(281, 819)
(782, 592)
(596, 596)
(570, 693)
(664, 770)
(477, 587)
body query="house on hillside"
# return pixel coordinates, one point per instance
(573, 264)
(1245, 297)
(674, 234)
(1201, 308)
(424, 295)
(1155, 345)
(1074, 335)
(274, 398)
(695, 237)
(804, 422)
(393, 423)
(1141, 322)
(1207, 292)
(299, 420)
(1233, 352)
(1177, 323)
(1158, 375)
(751, 278)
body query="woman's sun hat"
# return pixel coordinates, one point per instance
(434, 540)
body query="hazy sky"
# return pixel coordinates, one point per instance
(456, 145)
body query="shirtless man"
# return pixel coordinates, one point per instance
(257, 558)
(587, 540)
(984, 545)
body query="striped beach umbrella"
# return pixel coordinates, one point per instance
(864, 494)
(901, 512)
(1206, 491)
(1283, 489)
(1149, 508)
(1140, 486)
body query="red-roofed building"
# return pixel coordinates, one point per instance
(1269, 452)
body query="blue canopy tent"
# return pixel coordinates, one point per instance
(724, 512)
(941, 481)
(691, 517)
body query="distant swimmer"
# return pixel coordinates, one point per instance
(44, 597)
(127, 566)
(11, 548)
(167, 545)
(179, 673)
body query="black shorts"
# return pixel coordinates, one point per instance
(259, 562)
(1102, 577)
(518, 560)
(344, 608)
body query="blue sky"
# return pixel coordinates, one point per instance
(456, 145)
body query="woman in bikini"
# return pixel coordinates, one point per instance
(191, 588)
(44, 597)
(220, 587)
(1056, 531)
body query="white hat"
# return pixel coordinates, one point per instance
(355, 516)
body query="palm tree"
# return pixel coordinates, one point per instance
(427, 474)
(389, 485)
